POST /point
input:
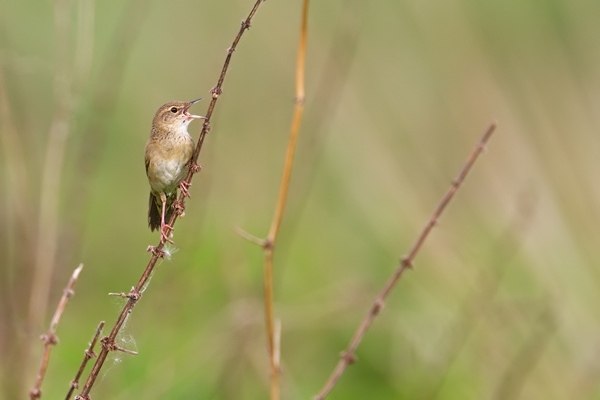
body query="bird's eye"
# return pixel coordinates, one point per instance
(173, 110)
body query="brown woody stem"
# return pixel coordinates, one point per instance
(268, 244)
(157, 251)
(89, 353)
(348, 356)
(50, 338)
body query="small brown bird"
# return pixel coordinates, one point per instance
(168, 152)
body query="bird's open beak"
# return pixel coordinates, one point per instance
(187, 114)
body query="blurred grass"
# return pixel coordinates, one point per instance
(417, 85)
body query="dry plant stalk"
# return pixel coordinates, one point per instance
(89, 353)
(50, 338)
(14, 162)
(65, 96)
(347, 356)
(108, 343)
(268, 244)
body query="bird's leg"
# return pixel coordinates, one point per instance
(183, 185)
(163, 226)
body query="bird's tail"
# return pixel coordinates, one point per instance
(155, 210)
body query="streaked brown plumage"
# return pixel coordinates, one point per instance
(168, 150)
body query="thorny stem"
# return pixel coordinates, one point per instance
(157, 252)
(50, 338)
(89, 353)
(268, 244)
(348, 356)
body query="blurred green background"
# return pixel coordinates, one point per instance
(503, 302)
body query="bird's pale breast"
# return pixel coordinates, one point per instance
(167, 158)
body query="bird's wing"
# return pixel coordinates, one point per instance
(147, 157)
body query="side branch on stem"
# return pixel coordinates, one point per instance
(89, 353)
(348, 356)
(50, 338)
(268, 244)
(135, 294)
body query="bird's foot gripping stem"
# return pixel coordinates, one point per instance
(183, 185)
(164, 237)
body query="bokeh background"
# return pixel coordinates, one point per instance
(504, 301)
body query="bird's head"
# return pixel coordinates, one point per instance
(174, 116)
